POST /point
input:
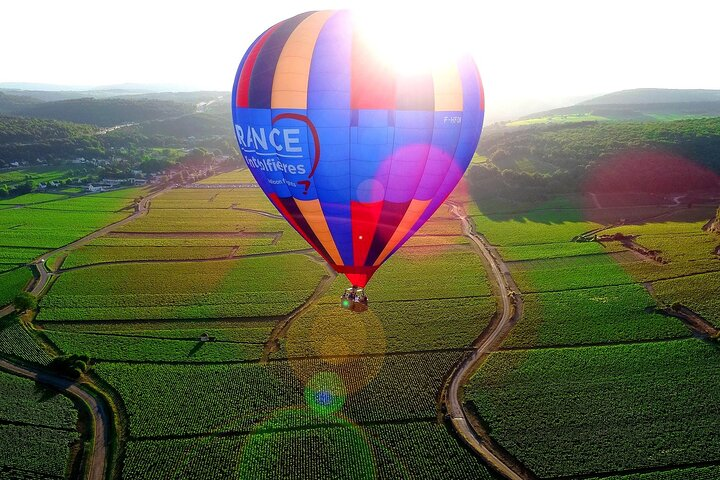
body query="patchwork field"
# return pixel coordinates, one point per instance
(219, 261)
(629, 389)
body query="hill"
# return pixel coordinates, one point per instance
(106, 112)
(10, 103)
(645, 104)
(639, 96)
(657, 157)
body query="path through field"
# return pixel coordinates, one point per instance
(96, 463)
(490, 338)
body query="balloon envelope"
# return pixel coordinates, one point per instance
(354, 154)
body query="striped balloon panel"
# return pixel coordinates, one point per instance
(355, 155)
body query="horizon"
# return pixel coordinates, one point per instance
(547, 55)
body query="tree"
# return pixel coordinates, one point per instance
(24, 301)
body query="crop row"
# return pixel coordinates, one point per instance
(22, 400)
(244, 331)
(42, 450)
(122, 348)
(420, 450)
(569, 273)
(202, 220)
(577, 411)
(12, 282)
(177, 399)
(389, 327)
(17, 342)
(534, 227)
(237, 277)
(596, 315)
(698, 292)
(93, 255)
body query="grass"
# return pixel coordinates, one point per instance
(596, 315)
(577, 411)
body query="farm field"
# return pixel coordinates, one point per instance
(250, 287)
(603, 409)
(629, 389)
(589, 316)
(137, 300)
(28, 231)
(11, 282)
(37, 430)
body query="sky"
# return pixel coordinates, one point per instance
(546, 52)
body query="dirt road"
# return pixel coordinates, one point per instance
(489, 339)
(95, 468)
(96, 462)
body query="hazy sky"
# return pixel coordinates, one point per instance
(524, 49)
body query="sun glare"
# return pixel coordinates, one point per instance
(411, 40)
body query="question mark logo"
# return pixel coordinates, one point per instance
(316, 142)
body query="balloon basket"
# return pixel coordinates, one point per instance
(354, 299)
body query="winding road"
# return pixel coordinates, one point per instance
(97, 462)
(490, 338)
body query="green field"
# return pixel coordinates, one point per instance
(42, 174)
(603, 409)
(588, 316)
(37, 429)
(341, 451)
(12, 282)
(216, 398)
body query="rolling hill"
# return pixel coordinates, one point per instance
(643, 104)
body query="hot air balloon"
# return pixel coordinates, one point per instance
(354, 153)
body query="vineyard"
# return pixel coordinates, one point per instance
(644, 401)
(341, 451)
(215, 398)
(37, 428)
(601, 409)
(589, 316)
(252, 287)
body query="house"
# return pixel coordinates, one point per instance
(92, 189)
(206, 338)
(138, 181)
(42, 186)
(54, 184)
(14, 164)
(79, 160)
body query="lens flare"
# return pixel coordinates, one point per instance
(325, 393)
